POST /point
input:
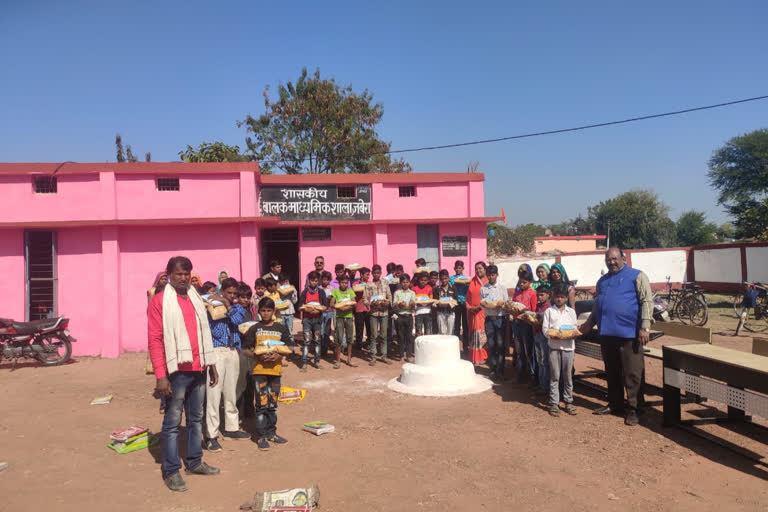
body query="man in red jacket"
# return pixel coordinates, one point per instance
(181, 350)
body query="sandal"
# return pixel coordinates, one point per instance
(336, 365)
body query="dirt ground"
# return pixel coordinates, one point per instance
(495, 451)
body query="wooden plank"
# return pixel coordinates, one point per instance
(760, 346)
(688, 332)
(722, 355)
(653, 353)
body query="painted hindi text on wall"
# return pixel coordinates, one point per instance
(320, 202)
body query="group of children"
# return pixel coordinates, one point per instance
(385, 307)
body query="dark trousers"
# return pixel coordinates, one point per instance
(244, 390)
(267, 390)
(362, 321)
(624, 365)
(461, 325)
(494, 331)
(405, 334)
(423, 324)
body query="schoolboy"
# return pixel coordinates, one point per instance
(272, 294)
(339, 270)
(390, 277)
(444, 312)
(423, 318)
(208, 288)
(312, 322)
(560, 351)
(494, 322)
(344, 320)
(244, 388)
(404, 303)
(394, 285)
(540, 342)
(526, 362)
(420, 263)
(461, 319)
(287, 315)
(275, 267)
(226, 347)
(362, 312)
(434, 277)
(325, 341)
(259, 292)
(379, 318)
(267, 370)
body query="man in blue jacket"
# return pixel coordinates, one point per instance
(623, 312)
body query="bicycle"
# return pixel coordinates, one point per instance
(755, 297)
(687, 303)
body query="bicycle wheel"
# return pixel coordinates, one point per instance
(692, 311)
(757, 317)
(738, 301)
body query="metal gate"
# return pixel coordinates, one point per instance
(428, 244)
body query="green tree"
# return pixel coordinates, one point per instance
(317, 126)
(726, 231)
(213, 152)
(512, 241)
(693, 229)
(127, 154)
(636, 220)
(739, 172)
(572, 227)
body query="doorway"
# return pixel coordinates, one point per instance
(428, 244)
(281, 245)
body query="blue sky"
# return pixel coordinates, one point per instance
(167, 74)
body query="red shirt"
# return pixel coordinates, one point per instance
(540, 309)
(155, 335)
(527, 298)
(312, 297)
(427, 290)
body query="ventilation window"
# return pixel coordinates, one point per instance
(45, 185)
(409, 191)
(168, 184)
(346, 192)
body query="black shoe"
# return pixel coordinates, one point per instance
(237, 434)
(175, 483)
(631, 419)
(203, 469)
(602, 411)
(262, 443)
(278, 439)
(212, 445)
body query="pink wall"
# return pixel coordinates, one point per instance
(81, 290)
(12, 300)
(478, 243)
(77, 198)
(199, 195)
(348, 244)
(144, 251)
(430, 201)
(401, 246)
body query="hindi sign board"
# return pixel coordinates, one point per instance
(455, 246)
(314, 202)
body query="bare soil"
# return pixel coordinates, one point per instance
(499, 450)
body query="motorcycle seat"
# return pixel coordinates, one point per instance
(34, 326)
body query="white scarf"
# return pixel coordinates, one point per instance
(175, 338)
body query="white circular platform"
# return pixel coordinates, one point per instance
(439, 370)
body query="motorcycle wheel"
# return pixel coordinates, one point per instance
(56, 350)
(738, 304)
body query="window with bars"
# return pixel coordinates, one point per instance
(40, 252)
(45, 184)
(408, 191)
(168, 184)
(346, 192)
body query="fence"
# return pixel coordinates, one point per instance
(716, 268)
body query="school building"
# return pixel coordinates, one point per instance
(85, 240)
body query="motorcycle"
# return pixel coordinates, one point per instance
(660, 309)
(49, 340)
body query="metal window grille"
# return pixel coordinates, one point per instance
(408, 191)
(45, 184)
(41, 274)
(346, 192)
(168, 184)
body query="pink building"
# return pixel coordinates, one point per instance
(545, 244)
(86, 240)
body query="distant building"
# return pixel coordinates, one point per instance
(545, 244)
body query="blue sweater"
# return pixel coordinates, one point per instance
(617, 311)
